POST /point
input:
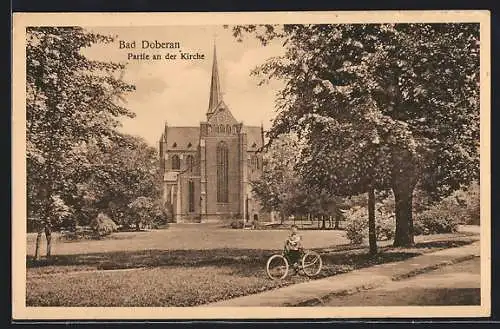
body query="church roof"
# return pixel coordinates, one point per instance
(183, 138)
(254, 137)
(222, 115)
(187, 138)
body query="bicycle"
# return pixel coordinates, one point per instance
(277, 265)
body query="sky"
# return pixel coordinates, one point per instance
(177, 91)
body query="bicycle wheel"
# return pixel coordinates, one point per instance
(277, 267)
(311, 263)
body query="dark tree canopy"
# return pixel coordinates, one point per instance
(73, 109)
(389, 105)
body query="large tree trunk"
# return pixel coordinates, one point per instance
(37, 244)
(372, 234)
(48, 237)
(404, 221)
(405, 176)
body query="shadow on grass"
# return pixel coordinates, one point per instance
(243, 262)
(443, 244)
(157, 258)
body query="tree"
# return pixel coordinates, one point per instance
(70, 100)
(281, 187)
(347, 159)
(380, 105)
(141, 209)
(278, 188)
(115, 176)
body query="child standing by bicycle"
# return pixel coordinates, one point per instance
(293, 246)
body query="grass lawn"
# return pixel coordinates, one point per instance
(188, 237)
(213, 269)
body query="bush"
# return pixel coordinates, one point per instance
(419, 228)
(102, 225)
(385, 225)
(355, 231)
(68, 235)
(435, 220)
(461, 207)
(237, 224)
(470, 200)
(357, 224)
(385, 220)
(146, 213)
(78, 233)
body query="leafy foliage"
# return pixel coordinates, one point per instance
(102, 225)
(357, 222)
(357, 225)
(444, 216)
(115, 177)
(59, 210)
(381, 105)
(470, 203)
(237, 224)
(278, 188)
(282, 188)
(73, 109)
(144, 211)
(461, 207)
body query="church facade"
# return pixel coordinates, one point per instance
(208, 168)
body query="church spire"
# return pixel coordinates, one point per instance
(215, 93)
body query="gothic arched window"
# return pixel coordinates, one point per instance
(222, 129)
(176, 162)
(209, 129)
(222, 173)
(190, 163)
(191, 195)
(228, 129)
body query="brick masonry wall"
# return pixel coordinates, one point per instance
(214, 208)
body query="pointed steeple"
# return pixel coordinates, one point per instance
(215, 92)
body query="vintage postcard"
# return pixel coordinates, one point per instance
(251, 165)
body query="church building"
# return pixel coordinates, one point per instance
(208, 168)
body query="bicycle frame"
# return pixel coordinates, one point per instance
(286, 254)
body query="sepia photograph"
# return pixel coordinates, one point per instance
(183, 166)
